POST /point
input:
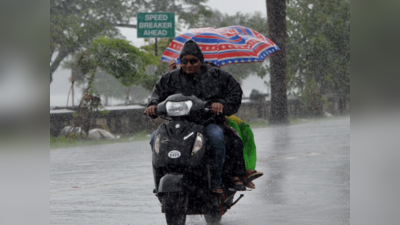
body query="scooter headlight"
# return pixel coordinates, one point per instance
(179, 108)
(198, 143)
(157, 144)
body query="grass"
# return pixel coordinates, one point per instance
(293, 121)
(258, 124)
(63, 142)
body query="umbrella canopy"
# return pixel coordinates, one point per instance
(223, 46)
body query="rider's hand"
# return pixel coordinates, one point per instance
(171, 65)
(151, 110)
(217, 108)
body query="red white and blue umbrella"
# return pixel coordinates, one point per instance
(223, 46)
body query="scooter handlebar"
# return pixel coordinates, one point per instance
(152, 116)
(207, 109)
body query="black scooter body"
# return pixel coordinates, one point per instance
(179, 136)
(184, 178)
(186, 172)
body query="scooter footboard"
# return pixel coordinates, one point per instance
(171, 183)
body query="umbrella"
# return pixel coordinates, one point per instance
(223, 46)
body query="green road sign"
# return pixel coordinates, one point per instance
(151, 25)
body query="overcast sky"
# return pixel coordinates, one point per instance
(60, 86)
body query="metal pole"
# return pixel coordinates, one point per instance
(155, 50)
(72, 92)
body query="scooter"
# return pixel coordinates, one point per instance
(182, 164)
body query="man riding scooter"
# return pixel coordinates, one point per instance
(243, 131)
(218, 88)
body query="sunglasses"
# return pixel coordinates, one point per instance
(192, 61)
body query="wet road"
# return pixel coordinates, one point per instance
(306, 181)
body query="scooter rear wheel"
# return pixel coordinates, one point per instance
(174, 206)
(213, 215)
(213, 218)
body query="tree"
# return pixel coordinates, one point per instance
(319, 49)
(276, 11)
(108, 86)
(117, 58)
(256, 21)
(154, 73)
(313, 102)
(161, 45)
(74, 23)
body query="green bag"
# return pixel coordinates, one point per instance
(249, 149)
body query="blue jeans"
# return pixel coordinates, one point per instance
(216, 141)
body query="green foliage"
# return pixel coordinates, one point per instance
(105, 84)
(122, 60)
(86, 62)
(162, 45)
(74, 23)
(256, 21)
(152, 77)
(108, 85)
(59, 141)
(318, 46)
(110, 57)
(194, 12)
(138, 94)
(76, 141)
(104, 112)
(312, 101)
(117, 58)
(258, 124)
(151, 81)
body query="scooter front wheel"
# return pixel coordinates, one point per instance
(174, 206)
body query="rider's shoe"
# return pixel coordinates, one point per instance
(238, 184)
(250, 176)
(251, 185)
(217, 190)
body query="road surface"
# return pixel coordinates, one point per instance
(306, 181)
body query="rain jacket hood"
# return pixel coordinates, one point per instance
(191, 48)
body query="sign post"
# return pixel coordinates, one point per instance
(155, 25)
